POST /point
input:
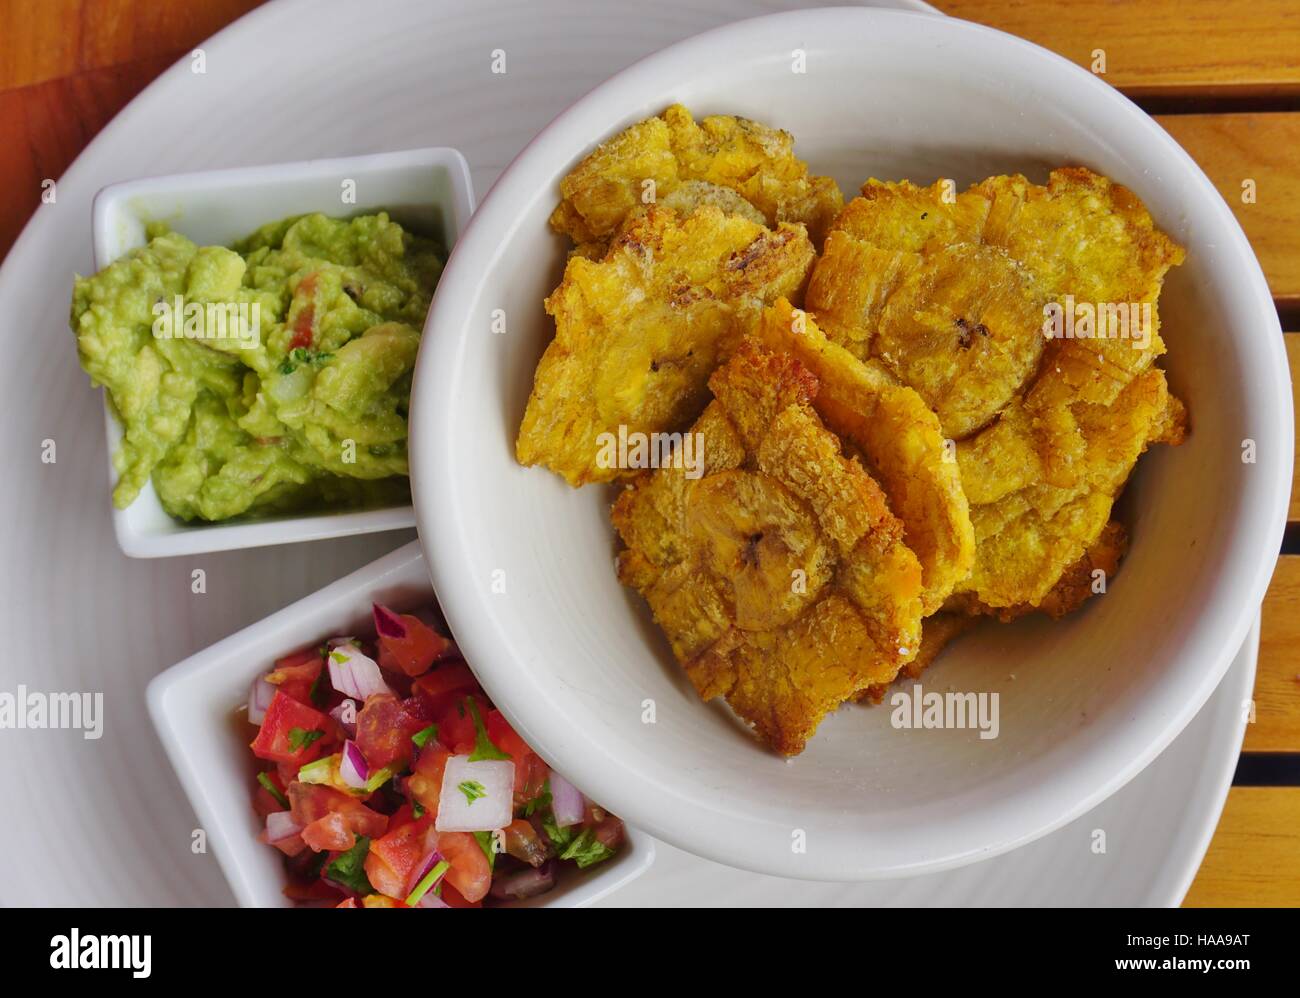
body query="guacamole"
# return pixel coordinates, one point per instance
(268, 377)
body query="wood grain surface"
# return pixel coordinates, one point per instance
(1230, 69)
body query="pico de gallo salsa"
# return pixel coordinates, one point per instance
(389, 780)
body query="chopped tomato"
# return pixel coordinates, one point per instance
(523, 843)
(609, 832)
(290, 846)
(384, 729)
(297, 674)
(449, 682)
(304, 322)
(470, 872)
(349, 903)
(394, 860)
(406, 643)
(287, 732)
(425, 782)
(454, 899)
(530, 771)
(311, 890)
(329, 833)
(264, 802)
(456, 724)
(309, 802)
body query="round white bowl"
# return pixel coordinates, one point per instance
(524, 565)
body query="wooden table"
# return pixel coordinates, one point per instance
(1222, 76)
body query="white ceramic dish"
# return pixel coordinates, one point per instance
(524, 563)
(194, 706)
(134, 617)
(428, 189)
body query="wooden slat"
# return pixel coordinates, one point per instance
(1277, 681)
(1293, 356)
(1265, 148)
(1159, 48)
(48, 39)
(67, 67)
(1254, 860)
(45, 126)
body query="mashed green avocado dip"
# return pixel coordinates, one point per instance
(309, 413)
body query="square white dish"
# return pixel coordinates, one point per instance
(426, 189)
(193, 706)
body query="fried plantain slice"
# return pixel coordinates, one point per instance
(899, 439)
(1077, 583)
(1028, 537)
(952, 291)
(638, 333)
(937, 632)
(779, 576)
(650, 160)
(955, 295)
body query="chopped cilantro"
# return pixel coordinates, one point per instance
(417, 809)
(272, 789)
(301, 355)
(586, 850)
(426, 882)
(483, 747)
(300, 738)
(487, 842)
(540, 801)
(318, 692)
(472, 790)
(320, 771)
(349, 869)
(560, 837)
(378, 778)
(420, 737)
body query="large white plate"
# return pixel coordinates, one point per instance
(104, 822)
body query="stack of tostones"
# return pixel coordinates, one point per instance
(900, 427)
(950, 295)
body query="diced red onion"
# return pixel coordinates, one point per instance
(526, 883)
(354, 674)
(387, 623)
(260, 696)
(280, 826)
(431, 900)
(353, 768)
(431, 859)
(567, 802)
(346, 714)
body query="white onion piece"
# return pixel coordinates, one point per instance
(260, 695)
(567, 802)
(353, 768)
(355, 674)
(346, 714)
(491, 783)
(280, 826)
